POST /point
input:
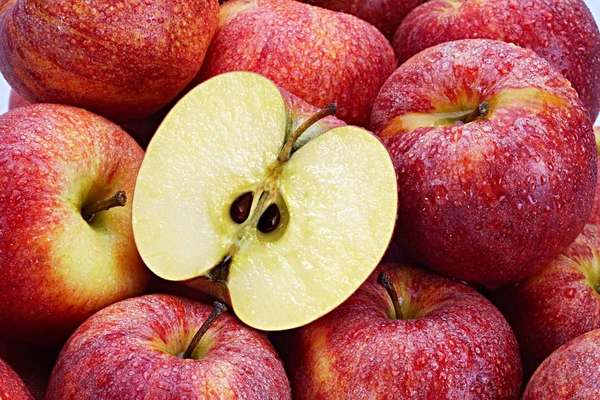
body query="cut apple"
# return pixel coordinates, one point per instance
(224, 194)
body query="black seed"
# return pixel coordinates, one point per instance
(240, 208)
(270, 219)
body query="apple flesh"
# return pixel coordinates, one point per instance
(61, 256)
(135, 349)
(563, 32)
(495, 159)
(571, 372)
(124, 61)
(11, 386)
(438, 339)
(319, 55)
(385, 15)
(315, 221)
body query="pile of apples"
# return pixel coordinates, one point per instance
(276, 199)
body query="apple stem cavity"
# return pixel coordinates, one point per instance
(385, 281)
(481, 112)
(286, 151)
(218, 309)
(118, 200)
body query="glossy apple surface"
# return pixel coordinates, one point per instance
(571, 372)
(495, 159)
(561, 31)
(133, 350)
(318, 55)
(448, 343)
(57, 268)
(123, 60)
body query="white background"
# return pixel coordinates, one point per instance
(4, 88)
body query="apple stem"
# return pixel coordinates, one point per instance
(218, 309)
(286, 151)
(482, 110)
(118, 200)
(384, 280)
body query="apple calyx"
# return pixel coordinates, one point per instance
(218, 309)
(89, 212)
(385, 281)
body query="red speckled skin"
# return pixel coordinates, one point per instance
(11, 386)
(458, 346)
(494, 200)
(53, 158)
(571, 373)
(121, 58)
(561, 31)
(121, 353)
(386, 15)
(319, 55)
(15, 101)
(555, 305)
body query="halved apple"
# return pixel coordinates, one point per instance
(224, 194)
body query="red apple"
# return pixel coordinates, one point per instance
(595, 216)
(386, 15)
(142, 348)
(11, 386)
(410, 335)
(15, 101)
(561, 31)
(571, 372)
(495, 159)
(63, 253)
(123, 60)
(559, 303)
(319, 55)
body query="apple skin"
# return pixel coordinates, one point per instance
(595, 216)
(571, 372)
(56, 268)
(544, 26)
(16, 101)
(128, 351)
(557, 304)
(11, 386)
(122, 62)
(385, 15)
(494, 200)
(458, 347)
(318, 55)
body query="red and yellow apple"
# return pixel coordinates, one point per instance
(63, 253)
(495, 159)
(407, 334)
(11, 386)
(319, 55)
(561, 31)
(144, 348)
(123, 60)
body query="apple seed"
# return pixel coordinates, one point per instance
(240, 208)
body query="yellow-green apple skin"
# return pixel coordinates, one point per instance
(319, 55)
(57, 269)
(121, 59)
(335, 193)
(495, 158)
(570, 373)
(448, 343)
(11, 385)
(133, 350)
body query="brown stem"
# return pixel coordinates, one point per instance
(286, 151)
(482, 110)
(218, 309)
(384, 280)
(89, 212)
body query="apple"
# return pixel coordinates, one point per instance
(165, 347)
(595, 216)
(407, 334)
(11, 386)
(386, 15)
(124, 60)
(268, 213)
(319, 55)
(66, 241)
(495, 159)
(571, 372)
(15, 101)
(563, 32)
